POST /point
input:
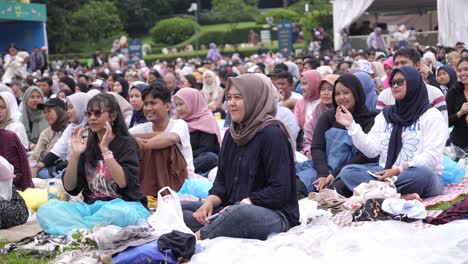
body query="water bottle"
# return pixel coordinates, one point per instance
(52, 191)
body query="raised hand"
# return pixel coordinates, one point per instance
(107, 138)
(78, 141)
(343, 116)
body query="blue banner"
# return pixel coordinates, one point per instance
(26, 35)
(135, 48)
(285, 45)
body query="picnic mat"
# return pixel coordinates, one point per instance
(20, 232)
(449, 193)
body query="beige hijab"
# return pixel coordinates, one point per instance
(260, 107)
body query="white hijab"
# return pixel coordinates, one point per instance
(210, 91)
(15, 114)
(80, 103)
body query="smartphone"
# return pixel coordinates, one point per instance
(373, 174)
(211, 218)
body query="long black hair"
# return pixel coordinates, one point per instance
(459, 86)
(107, 102)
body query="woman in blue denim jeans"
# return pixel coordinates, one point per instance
(254, 194)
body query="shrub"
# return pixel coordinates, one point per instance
(278, 15)
(207, 18)
(173, 30)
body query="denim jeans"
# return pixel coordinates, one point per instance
(421, 180)
(307, 174)
(44, 173)
(239, 221)
(205, 162)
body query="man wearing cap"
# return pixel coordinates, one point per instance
(55, 112)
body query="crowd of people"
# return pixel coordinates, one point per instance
(104, 129)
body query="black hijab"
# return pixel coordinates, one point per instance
(406, 111)
(361, 114)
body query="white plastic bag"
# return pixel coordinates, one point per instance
(168, 216)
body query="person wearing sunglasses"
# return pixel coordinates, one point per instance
(409, 136)
(104, 160)
(410, 57)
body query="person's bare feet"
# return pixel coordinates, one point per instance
(411, 196)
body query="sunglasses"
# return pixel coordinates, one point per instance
(96, 113)
(398, 82)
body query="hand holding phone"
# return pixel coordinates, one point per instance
(210, 219)
(373, 174)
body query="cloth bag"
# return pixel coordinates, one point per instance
(168, 216)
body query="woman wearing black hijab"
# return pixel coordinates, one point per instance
(332, 148)
(121, 87)
(409, 137)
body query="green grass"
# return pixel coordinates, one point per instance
(445, 205)
(21, 257)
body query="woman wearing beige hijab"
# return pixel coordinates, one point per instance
(256, 180)
(9, 117)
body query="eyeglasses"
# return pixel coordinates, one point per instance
(96, 113)
(398, 82)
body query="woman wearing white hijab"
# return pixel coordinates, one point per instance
(76, 107)
(212, 91)
(9, 117)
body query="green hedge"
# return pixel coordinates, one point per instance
(206, 18)
(173, 30)
(278, 15)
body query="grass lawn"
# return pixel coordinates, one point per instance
(20, 257)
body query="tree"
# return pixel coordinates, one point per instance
(233, 10)
(96, 20)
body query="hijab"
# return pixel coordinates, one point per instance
(379, 69)
(210, 91)
(138, 117)
(7, 98)
(451, 73)
(79, 102)
(125, 106)
(293, 69)
(62, 119)
(361, 114)
(36, 117)
(124, 85)
(200, 117)
(405, 111)
(260, 107)
(313, 78)
(368, 86)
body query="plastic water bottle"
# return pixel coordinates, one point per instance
(52, 191)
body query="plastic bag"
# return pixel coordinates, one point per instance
(61, 218)
(453, 172)
(168, 216)
(34, 198)
(196, 188)
(144, 254)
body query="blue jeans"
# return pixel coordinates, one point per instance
(239, 221)
(45, 174)
(307, 174)
(420, 180)
(205, 162)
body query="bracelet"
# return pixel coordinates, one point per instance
(108, 155)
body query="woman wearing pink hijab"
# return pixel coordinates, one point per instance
(310, 90)
(388, 67)
(205, 138)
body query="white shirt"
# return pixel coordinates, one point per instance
(285, 115)
(179, 127)
(20, 131)
(296, 96)
(423, 142)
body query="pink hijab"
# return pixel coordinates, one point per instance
(313, 79)
(200, 117)
(388, 63)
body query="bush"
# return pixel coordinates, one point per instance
(207, 18)
(236, 36)
(278, 15)
(173, 30)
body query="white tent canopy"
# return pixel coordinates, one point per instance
(452, 20)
